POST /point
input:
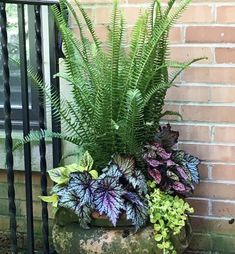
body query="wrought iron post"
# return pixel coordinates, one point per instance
(8, 129)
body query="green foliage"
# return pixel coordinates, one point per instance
(117, 94)
(168, 215)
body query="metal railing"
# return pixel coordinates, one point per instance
(54, 51)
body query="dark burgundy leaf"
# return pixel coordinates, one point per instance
(156, 174)
(166, 137)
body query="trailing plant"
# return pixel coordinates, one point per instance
(168, 214)
(174, 171)
(117, 94)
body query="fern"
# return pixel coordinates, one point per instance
(117, 94)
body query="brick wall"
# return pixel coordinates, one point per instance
(205, 97)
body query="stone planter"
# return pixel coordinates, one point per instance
(102, 238)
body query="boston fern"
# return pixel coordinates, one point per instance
(117, 93)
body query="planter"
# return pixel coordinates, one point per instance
(69, 238)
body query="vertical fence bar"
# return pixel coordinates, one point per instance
(26, 128)
(54, 68)
(8, 129)
(42, 145)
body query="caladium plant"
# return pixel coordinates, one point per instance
(173, 170)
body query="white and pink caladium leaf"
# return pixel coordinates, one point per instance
(108, 198)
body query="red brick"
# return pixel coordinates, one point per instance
(223, 172)
(189, 53)
(197, 14)
(204, 172)
(223, 75)
(192, 132)
(223, 209)
(224, 134)
(201, 206)
(216, 153)
(175, 35)
(225, 55)
(207, 189)
(208, 113)
(223, 94)
(211, 225)
(188, 93)
(225, 14)
(213, 34)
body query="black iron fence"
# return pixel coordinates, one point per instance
(26, 122)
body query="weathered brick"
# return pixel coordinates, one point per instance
(201, 206)
(210, 34)
(223, 243)
(200, 242)
(223, 208)
(212, 225)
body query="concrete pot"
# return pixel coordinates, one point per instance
(102, 238)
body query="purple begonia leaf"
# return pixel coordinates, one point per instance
(138, 182)
(136, 211)
(192, 163)
(70, 200)
(182, 173)
(172, 176)
(166, 137)
(126, 164)
(179, 187)
(108, 198)
(112, 170)
(155, 174)
(83, 184)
